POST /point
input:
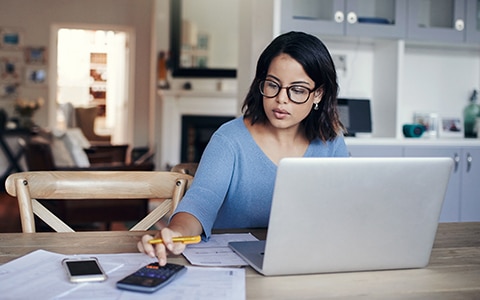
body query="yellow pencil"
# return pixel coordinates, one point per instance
(181, 239)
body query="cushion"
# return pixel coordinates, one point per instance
(61, 155)
(76, 142)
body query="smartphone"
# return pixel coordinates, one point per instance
(84, 269)
(151, 277)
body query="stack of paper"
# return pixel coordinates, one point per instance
(40, 275)
(215, 252)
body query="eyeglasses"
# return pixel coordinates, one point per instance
(296, 93)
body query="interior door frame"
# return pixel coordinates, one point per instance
(130, 69)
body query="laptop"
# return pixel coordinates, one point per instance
(350, 214)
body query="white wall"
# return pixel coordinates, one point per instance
(438, 80)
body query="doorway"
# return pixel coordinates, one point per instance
(92, 70)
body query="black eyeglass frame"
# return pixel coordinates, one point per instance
(262, 83)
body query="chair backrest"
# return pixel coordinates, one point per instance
(114, 185)
(85, 119)
(185, 168)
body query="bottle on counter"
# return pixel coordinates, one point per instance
(470, 115)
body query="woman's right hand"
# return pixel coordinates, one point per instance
(161, 250)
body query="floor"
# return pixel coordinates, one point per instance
(9, 215)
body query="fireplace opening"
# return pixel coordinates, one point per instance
(196, 132)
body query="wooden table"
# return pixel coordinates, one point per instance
(453, 272)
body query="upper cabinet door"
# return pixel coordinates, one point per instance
(436, 20)
(313, 16)
(376, 18)
(366, 18)
(473, 21)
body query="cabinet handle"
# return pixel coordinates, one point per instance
(352, 18)
(469, 162)
(456, 159)
(459, 25)
(339, 17)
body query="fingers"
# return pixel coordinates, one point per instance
(145, 247)
(161, 250)
(157, 250)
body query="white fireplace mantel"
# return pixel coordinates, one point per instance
(175, 104)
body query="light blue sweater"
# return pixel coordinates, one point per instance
(233, 185)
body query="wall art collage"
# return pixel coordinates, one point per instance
(20, 65)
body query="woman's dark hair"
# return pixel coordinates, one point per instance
(312, 54)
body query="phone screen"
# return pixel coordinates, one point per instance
(82, 270)
(85, 267)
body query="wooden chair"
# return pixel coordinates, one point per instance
(87, 214)
(185, 168)
(30, 187)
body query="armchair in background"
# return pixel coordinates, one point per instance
(85, 120)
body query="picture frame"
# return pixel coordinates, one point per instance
(11, 38)
(36, 55)
(429, 121)
(451, 127)
(35, 76)
(8, 90)
(10, 69)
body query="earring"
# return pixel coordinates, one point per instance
(315, 107)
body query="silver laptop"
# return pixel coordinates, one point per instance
(350, 214)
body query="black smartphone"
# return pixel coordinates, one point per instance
(151, 277)
(84, 269)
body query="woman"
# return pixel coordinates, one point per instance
(289, 111)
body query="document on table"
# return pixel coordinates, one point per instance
(40, 275)
(215, 252)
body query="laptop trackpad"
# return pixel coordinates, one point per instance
(251, 251)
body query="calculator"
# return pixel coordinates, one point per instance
(151, 277)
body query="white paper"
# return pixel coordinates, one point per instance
(215, 252)
(40, 275)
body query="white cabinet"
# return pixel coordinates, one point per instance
(451, 205)
(375, 151)
(368, 18)
(470, 184)
(454, 21)
(462, 202)
(451, 21)
(473, 22)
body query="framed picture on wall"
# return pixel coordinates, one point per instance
(8, 89)
(36, 55)
(35, 75)
(10, 69)
(11, 38)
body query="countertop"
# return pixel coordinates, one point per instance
(368, 141)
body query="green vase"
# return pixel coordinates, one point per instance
(470, 115)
